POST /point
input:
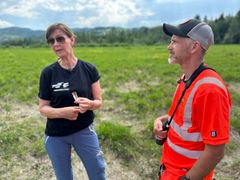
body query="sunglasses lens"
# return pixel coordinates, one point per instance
(51, 41)
(59, 39)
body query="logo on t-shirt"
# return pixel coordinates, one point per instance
(61, 86)
(213, 133)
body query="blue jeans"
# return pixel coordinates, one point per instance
(86, 145)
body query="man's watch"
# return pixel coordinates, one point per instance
(184, 178)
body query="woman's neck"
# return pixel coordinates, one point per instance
(68, 63)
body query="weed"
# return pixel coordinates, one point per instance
(118, 138)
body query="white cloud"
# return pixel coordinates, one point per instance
(21, 8)
(171, 1)
(110, 13)
(4, 24)
(63, 5)
(84, 12)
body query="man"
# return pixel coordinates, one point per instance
(199, 127)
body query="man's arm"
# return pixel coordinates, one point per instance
(210, 157)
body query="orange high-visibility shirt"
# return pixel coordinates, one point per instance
(202, 118)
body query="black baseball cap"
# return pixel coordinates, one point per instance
(194, 29)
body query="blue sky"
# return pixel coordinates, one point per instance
(39, 14)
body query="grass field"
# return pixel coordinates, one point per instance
(137, 84)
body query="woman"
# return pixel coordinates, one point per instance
(69, 92)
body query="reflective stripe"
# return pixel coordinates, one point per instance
(182, 131)
(188, 108)
(185, 152)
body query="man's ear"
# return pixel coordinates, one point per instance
(196, 46)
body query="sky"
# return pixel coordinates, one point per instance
(39, 14)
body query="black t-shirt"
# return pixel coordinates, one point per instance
(56, 85)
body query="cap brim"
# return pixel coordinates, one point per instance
(172, 30)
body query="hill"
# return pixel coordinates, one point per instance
(18, 32)
(11, 33)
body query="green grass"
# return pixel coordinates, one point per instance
(22, 139)
(118, 138)
(137, 79)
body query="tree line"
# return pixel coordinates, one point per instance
(225, 28)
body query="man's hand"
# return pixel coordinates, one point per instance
(157, 128)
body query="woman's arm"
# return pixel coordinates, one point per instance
(87, 104)
(46, 110)
(97, 97)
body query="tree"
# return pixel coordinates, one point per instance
(197, 17)
(233, 34)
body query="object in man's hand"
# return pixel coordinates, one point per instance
(75, 96)
(165, 127)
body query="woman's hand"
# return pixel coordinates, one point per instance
(84, 104)
(70, 113)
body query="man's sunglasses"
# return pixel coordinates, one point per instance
(59, 39)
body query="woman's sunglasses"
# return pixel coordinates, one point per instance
(59, 39)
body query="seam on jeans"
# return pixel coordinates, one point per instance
(47, 137)
(91, 129)
(100, 153)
